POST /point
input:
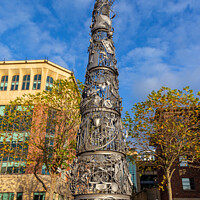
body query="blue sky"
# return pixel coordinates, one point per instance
(157, 41)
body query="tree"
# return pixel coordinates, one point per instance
(166, 126)
(49, 120)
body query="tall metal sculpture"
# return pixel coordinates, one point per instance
(100, 170)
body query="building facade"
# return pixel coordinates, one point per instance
(185, 180)
(134, 175)
(22, 77)
(185, 183)
(18, 78)
(144, 177)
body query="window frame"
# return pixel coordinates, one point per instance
(49, 83)
(37, 82)
(15, 83)
(19, 197)
(189, 186)
(183, 161)
(14, 162)
(4, 82)
(61, 197)
(40, 194)
(26, 82)
(9, 197)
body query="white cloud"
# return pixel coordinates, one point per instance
(146, 53)
(60, 61)
(72, 10)
(5, 52)
(13, 14)
(127, 20)
(179, 6)
(149, 71)
(30, 38)
(164, 48)
(157, 41)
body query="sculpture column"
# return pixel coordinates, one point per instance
(101, 170)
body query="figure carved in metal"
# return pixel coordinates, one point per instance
(100, 170)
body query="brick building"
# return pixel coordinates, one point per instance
(185, 183)
(18, 78)
(185, 179)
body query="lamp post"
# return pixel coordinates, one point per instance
(100, 170)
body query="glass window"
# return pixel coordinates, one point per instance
(183, 161)
(61, 197)
(22, 170)
(49, 83)
(37, 82)
(19, 195)
(15, 82)
(13, 140)
(147, 157)
(54, 196)
(51, 122)
(2, 109)
(188, 183)
(26, 82)
(13, 157)
(4, 83)
(7, 196)
(3, 171)
(39, 196)
(44, 170)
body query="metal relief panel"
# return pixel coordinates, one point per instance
(101, 173)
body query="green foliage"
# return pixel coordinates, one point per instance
(166, 126)
(14, 127)
(81, 86)
(49, 121)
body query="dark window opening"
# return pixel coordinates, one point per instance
(37, 82)
(26, 82)
(4, 83)
(39, 196)
(19, 196)
(49, 83)
(15, 82)
(61, 197)
(148, 181)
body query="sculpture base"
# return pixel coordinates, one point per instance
(101, 172)
(101, 197)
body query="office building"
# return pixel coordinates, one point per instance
(18, 78)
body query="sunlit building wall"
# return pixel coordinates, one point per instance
(18, 78)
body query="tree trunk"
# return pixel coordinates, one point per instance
(52, 186)
(169, 186)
